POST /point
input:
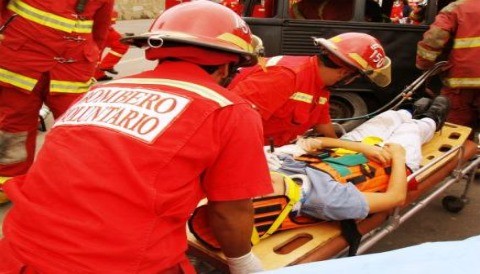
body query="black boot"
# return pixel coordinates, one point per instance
(105, 78)
(111, 70)
(438, 111)
(421, 106)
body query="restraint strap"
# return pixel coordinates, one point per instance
(293, 192)
(80, 7)
(352, 235)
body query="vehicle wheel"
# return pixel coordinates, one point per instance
(453, 204)
(346, 105)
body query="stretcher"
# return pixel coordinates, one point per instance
(448, 158)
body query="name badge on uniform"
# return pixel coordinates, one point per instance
(140, 113)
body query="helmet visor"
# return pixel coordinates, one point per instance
(382, 77)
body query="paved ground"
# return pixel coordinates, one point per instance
(431, 224)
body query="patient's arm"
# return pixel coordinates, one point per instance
(397, 186)
(326, 130)
(373, 153)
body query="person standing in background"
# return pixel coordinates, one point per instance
(48, 56)
(116, 51)
(455, 33)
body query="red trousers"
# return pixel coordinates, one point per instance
(19, 122)
(465, 106)
(114, 54)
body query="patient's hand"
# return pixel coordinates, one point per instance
(396, 150)
(378, 154)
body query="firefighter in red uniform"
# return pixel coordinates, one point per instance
(291, 92)
(123, 169)
(116, 51)
(48, 55)
(459, 22)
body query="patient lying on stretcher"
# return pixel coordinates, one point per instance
(322, 189)
(325, 198)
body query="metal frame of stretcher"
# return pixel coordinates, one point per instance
(449, 158)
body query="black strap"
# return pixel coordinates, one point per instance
(352, 235)
(80, 7)
(9, 20)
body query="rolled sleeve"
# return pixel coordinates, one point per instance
(240, 171)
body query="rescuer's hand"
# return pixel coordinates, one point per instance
(1, 37)
(245, 264)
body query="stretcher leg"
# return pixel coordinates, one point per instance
(455, 204)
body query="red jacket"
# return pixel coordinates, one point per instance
(125, 167)
(290, 96)
(460, 22)
(49, 36)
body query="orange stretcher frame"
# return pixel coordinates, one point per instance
(448, 158)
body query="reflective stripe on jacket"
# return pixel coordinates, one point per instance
(457, 24)
(49, 19)
(27, 83)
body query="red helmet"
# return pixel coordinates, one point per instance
(360, 51)
(203, 24)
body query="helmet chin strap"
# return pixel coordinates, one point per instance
(232, 71)
(347, 79)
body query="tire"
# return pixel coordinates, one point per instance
(346, 105)
(453, 204)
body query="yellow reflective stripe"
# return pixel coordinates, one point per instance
(70, 87)
(49, 19)
(302, 97)
(232, 38)
(4, 179)
(115, 53)
(197, 89)
(462, 43)
(362, 62)
(273, 61)
(255, 239)
(430, 55)
(322, 100)
(293, 192)
(462, 82)
(17, 80)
